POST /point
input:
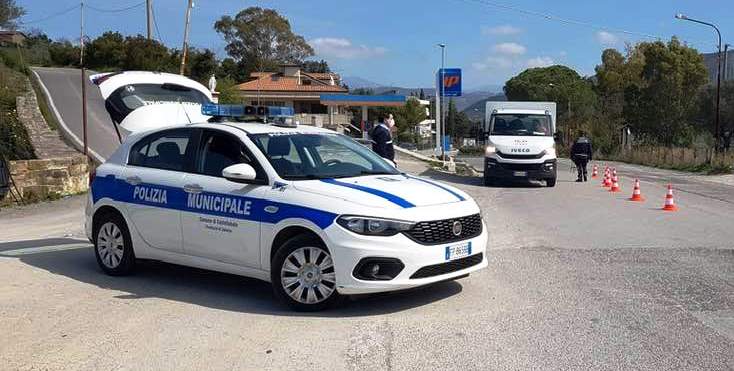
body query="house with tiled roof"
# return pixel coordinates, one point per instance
(292, 87)
(12, 37)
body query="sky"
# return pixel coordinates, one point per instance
(394, 42)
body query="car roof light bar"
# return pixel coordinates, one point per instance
(236, 110)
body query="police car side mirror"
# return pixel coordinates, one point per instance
(240, 173)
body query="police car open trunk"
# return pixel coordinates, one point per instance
(143, 100)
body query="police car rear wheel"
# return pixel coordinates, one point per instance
(303, 274)
(113, 246)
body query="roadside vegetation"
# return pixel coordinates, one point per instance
(640, 106)
(15, 143)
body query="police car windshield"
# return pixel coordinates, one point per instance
(520, 125)
(302, 156)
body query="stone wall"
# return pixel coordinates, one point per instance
(47, 143)
(50, 178)
(59, 170)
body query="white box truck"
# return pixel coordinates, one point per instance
(520, 142)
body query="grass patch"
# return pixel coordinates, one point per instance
(15, 143)
(43, 104)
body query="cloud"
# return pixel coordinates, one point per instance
(343, 48)
(607, 38)
(510, 49)
(494, 63)
(504, 30)
(539, 62)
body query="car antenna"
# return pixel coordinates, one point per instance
(185, 113)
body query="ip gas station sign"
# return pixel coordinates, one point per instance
(450, 84)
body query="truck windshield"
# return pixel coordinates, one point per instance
(303, 156)
(520, 125)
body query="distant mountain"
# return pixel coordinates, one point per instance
(485, 88)
(470, 100)
(475, 111)
(355, 82)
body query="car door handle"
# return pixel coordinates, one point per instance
(193, 188)
(133, 180)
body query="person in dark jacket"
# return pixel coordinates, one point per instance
(581, 155)
(382, 140)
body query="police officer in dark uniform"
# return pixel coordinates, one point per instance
(581, 155)
(382, 140)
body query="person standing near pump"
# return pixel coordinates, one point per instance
(581, 155)
(382, 140)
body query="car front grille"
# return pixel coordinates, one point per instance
(442, 231)
(448, 267)
(520, 157)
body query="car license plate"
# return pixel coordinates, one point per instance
(520, 173)
(458, 251)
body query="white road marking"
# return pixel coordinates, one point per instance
(45, 249)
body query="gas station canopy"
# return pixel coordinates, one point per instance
(362, 100)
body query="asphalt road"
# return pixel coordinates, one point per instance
(579, 278)
(63, 87)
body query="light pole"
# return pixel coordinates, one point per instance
(726, 62)
(443, 116)
(718, 73)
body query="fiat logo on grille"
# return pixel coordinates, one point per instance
(456, 228)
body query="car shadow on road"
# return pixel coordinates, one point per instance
(477, 180)
(220, 290)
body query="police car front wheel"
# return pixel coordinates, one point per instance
(113, 246)
(303, 274)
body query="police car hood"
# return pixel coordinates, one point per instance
(529, 145)
(386, 191)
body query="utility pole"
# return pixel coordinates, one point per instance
(717, 131)
(149, 13)
(441, 125)
(726, 62)
(184, 51)
(83, 81)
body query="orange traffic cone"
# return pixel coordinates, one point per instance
(636, 194)
(669, 203)
(614, 171)
(607, 180)
(595, 172)
(615, 185)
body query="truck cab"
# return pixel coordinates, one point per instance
(520, 142)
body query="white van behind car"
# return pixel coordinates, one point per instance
(520, 142)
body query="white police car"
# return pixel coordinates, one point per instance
(309, 210)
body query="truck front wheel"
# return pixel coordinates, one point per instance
(550, 182)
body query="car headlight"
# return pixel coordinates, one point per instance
(373, 226)
(551, 151)
(490, 150)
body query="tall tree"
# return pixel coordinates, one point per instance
(661, 108)
(106, 51)
(9, 14)
(147, 55)
(575, 99)
(316, 66)
(261, 39)
(202, 64)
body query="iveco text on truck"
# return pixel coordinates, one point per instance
(520, 142)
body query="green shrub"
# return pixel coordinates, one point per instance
(15, 144)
